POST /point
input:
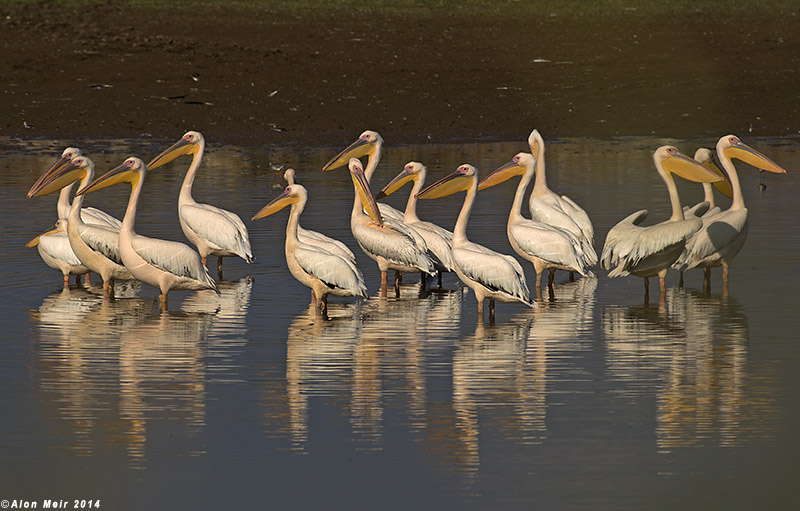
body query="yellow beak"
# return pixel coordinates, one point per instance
(62, 162)
(398, 182)
(35, 241)
(275, 205)
(501, 175)
(448, 185)
(689, 168)
(364, 193)
(121, 174)
(747, 154)
(179, 148)
(357, 149)
(58, 179)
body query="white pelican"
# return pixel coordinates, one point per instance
(370, 144)
(489, 274)
(649, 251)
(706, 157)
(317, 238)
(213, 230)
(54, 249)
(561, 211)
(722, 235)
(163, 264)
(96, 245)
(387, 242)
(438, 239)
(547, 247)
(323, 271)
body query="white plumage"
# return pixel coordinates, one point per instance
(491, 275)
(163, 264)
(313, 266)
(213, 230)
(723, 234)
(649, 251)
(546, 246)
(560, 211)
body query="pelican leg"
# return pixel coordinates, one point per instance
(680, 281)
(480, 310)
(440, 280)
(724, 280)
(162, 300)
(707, 280)
(398, 277)
(322, 307)
(313, 297)
(66, 280)
(491, 311)
(646, 290)
(551, 276)
(87, 279)
(572, 276)
(423, 279)
(662, 282)
(384, 284)
(219, 267)
(205, 260)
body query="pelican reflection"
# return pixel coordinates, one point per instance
(692, 353)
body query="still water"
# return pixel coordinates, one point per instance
(595, 400)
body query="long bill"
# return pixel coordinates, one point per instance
(179, 148)
(723, 186)
(747, 154)
(397, 183)
(35, 190)
(689, 168)
(501, 175)
(275, 205)
(56, 180)
(364, 193)
(452, 183)
(357, 149)
(35, 240)
(121, 174)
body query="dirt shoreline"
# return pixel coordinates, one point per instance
(249, 76)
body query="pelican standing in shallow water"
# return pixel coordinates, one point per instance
(163, 264)
(547, 247)
(722, 235)
(317, 238)
(560, 211)
(388, 242)
(438, 239)
(489, 274)
(650, 251)
(54, 249)
(326, 273)
(96, 246)
(213, 230)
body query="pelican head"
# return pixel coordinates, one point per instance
(671, 161)
(458, 181)
(66, 156)
(291, 195)
(61, 226)
(62, 176)
(190, 143)
(362, 188)
(130, 171)
(535, 142)
(732, 147)
(518, 165)
(706, 157)
(413, 171)
(366, 144)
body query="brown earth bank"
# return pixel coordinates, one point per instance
(251, 75)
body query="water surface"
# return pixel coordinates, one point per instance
(594, 400)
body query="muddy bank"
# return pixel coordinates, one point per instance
(252, 76)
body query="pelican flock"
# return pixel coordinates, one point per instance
(559, 235)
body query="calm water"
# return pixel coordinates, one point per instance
(245, 398)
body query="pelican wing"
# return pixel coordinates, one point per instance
(172, 257)
(497, 272)
(720, 232)
(552, 213)
(579, 216)
(439, 242)
(324, 242)
(218, 226)
(394, 245)
(102, 239)
(698, 210)
(333, 270)
(549, 243)
(57, 247)
(650, 242)
(98, 217)
(618, 237)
